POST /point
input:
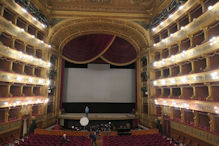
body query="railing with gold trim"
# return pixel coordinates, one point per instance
(13, 30)
(203, 21)
(10, 126)
(197, 133)
(19, 10)
(210, 76)
(204, 106)
(176, 15)
(18, 55)
(24, 79)
(208, 47)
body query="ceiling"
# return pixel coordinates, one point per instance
(135, 10)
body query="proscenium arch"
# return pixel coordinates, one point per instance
(69, 29)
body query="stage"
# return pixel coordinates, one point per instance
(99, 116)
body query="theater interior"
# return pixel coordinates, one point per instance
(148, 70)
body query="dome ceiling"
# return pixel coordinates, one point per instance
(110, 49)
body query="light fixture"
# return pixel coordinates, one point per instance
(165, 102)
(31, 58)
(154, 45)
(172, 81)
(186, 105)
(161, 23)
(182, 27)
(181, 7)
(42, 41)
(40, 81)
(172, 58)
(183, 53)
(49, 46)
(49, 64)
(155, 83)
(5, 103)
(22, 29)
(210, 7)
(170, 16)
(41, 61)
(34, 19)
(29, 101)
(30, 80)
(153, 29)
(215, 108)
(19, 78)
(155, 101)
(214, 75)
(163, 82)
(33, 36)
(18, 102)
(24, 10)
(48, 82)
(47, 100)
(183, 79)
(14, 104)
(20, 54)
(43, 25)
(38, 101)
(155, 64)
(173, 103)
(171, 34)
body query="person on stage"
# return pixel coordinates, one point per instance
(86, 111)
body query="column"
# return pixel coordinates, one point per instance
(211, 122)
(196, 118)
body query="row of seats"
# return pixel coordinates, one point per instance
(54, 140)
(137, 140)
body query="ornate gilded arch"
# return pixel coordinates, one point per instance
(69, 29)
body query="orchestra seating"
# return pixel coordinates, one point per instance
(137, 140)
(54, 140)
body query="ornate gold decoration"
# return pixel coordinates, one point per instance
(203, 21)
(17, 8)
(204, 106)
(197, 133)
(119, 64)
(66, 30)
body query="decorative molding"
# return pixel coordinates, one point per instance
(176, 15)
(13, 30)
(67, 30)
(18, 9)
(195, 26)
(204, 77)
(205, 48)
(199, 134)
(10, 126)
(19, 56)
(196, 105)
(23, 79)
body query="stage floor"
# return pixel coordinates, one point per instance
(99, 116)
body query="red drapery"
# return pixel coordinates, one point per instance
(62, 83)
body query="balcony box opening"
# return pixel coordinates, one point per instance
(199, 65)
(175, 70)
(187, 92)
(198, 38)
(186, 68)
(174, 49)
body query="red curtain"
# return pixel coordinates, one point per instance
(62, 83)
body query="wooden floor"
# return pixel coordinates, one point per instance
(98, 116)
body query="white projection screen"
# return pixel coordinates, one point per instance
(99, 85)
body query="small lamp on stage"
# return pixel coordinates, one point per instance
(84, 121)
